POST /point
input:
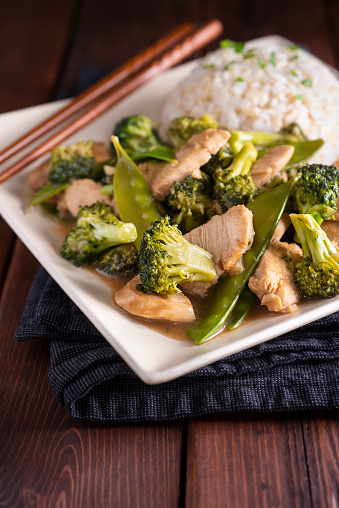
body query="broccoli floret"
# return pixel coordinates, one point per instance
(122, 259)
(220, 160)
(182, 129)
(261, 139)
(294, 129)
(168, 259)
(136, 134)
(73, 161)
(234, 185)
(317, 273)
(96, 229)
(191, 202)
(316, 191)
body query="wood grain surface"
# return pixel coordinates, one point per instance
(48, 50)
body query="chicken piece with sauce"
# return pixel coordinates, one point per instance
(227, 237)
(273, 161)
(331, 228)
(84, 192)
(273, 279)
(190, 157)
(152, 306)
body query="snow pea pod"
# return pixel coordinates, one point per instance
(133, 196)
(241, 309)
(160, 152)
(46, 192)
(267, 209)
(303, 150)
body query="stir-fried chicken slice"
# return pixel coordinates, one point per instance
(274, 160)
(281, 228)
(273, 279)
(153, 306)
(82, 192)
(227, 237)
(189, 159)
(331, 228)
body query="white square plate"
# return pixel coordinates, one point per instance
(154, 357)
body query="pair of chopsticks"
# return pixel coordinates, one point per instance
(167, 52)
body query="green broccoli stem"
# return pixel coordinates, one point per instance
(318, 218)
(190, 223)
(107, 190)
(121, 232)
(188, 259)
(319, 221)
(260, 139)
(314, 241)
(242, 163)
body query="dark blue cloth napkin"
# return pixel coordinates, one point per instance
(296, 371)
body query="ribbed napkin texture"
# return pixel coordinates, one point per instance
(295, 371)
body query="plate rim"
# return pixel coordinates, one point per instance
(195, 362)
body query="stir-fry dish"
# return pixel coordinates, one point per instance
(227, 216)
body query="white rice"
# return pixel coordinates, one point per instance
(247, 97)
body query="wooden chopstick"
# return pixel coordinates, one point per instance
(200, 38)
(96, 91)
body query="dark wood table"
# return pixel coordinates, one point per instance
(48, 459)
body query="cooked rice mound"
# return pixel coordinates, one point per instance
(278, 85)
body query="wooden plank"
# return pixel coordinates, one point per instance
(321, 438)
(33, 38)
(48, 459)
(236, 18)
(246, 460)
(273, 18)
(108, 39)
(297, 21)
(333, 27)
(7, 243)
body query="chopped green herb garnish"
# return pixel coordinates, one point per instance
(273, 59)
(240, 78)
(307, 82)
(250, 53)
(298, 97)
(294, 57)
(261, 63)
(229, 65)
(209, 66)
(237, 46)
(294, 73)
(293, 47)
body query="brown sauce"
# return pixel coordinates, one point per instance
(177, 331)
(173, 330)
